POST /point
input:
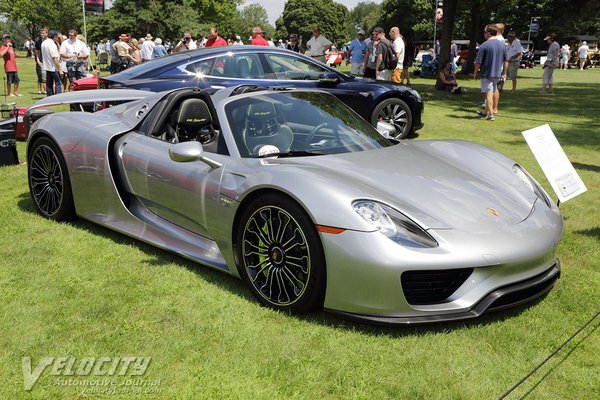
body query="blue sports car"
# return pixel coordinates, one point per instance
(219, 67)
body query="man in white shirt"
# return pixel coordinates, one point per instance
(582, 51)
(515, 52)
(51, 63)
(147, 50)
(74, 52)
(398, 48)
(318, 45)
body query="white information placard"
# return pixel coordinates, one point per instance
(554, 162)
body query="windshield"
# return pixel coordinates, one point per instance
(298, 124)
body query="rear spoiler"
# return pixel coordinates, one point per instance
(91, 96)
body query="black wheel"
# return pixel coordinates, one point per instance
(49, 182)
(280, 255)
(395, 112)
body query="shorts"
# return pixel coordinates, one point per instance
(489, 84)
(41, 75)
(383, 75)
(513, 68)
(356, 68)
(12, 78)
(548, 76)
(396, 74)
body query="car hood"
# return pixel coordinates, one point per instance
(460, 187)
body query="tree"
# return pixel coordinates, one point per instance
(364, 16)
(60, 15)
(166, 18)
(254, 15)
(408, 14)
(299, 16)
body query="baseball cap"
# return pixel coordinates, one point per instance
(237, 37)
(361, 32)
(378, 30)
(6, 35)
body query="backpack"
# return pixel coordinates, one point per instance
(391, 60)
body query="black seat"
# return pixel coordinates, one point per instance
(262, 128)
(194, 122)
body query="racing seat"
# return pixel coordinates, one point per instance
(262, 128)
(194, 122)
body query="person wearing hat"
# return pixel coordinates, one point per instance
(238, 41)
(51, 63)
(550, 65)
(147, 49)
(122, 46)
(356, 53)
(515, 52)
(257, 39)
(583, 52)
(7, 51)
(318, 45)
(293, 44)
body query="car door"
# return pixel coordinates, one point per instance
(296, 71)
(183, 193)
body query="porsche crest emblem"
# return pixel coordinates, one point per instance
(492, 212)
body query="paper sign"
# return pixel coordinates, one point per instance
(554, 162)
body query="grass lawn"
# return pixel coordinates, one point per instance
(76, 289)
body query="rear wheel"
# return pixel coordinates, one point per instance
(49, 182)
(280, 255)
(395, 112)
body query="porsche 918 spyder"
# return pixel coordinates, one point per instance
(296, 194)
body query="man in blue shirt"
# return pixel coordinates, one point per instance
(491, 64)
(356, 53)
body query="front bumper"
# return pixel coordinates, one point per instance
(505, 297)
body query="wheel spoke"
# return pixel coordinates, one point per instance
(46, 180)
(275, 255)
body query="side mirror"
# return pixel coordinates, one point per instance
(329, 77)
(386, 129)
(191, 151)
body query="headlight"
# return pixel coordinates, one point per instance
(393, 224)
(531, 184)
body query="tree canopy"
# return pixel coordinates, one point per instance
(300, 16)
(170, 18)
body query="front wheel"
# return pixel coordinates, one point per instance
(395, 112)
(280, 255)
(49, 182)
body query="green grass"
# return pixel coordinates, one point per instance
(76, 289)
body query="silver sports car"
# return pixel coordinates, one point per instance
(293, 192)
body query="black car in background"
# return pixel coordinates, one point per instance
(219, 67)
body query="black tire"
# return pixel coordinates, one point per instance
(49, 182)
(280, 256)
(395, 112)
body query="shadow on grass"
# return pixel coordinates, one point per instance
(594, 233)
(586, 167)
(157, 257)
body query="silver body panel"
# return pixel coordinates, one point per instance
(190, 208)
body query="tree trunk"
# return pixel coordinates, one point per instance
(447, 29)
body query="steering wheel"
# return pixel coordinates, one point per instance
(314, 131)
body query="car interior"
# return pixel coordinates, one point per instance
(188, 117)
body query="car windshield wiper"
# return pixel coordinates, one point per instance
(294, 153)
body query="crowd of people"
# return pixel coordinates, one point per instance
(61, 59)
